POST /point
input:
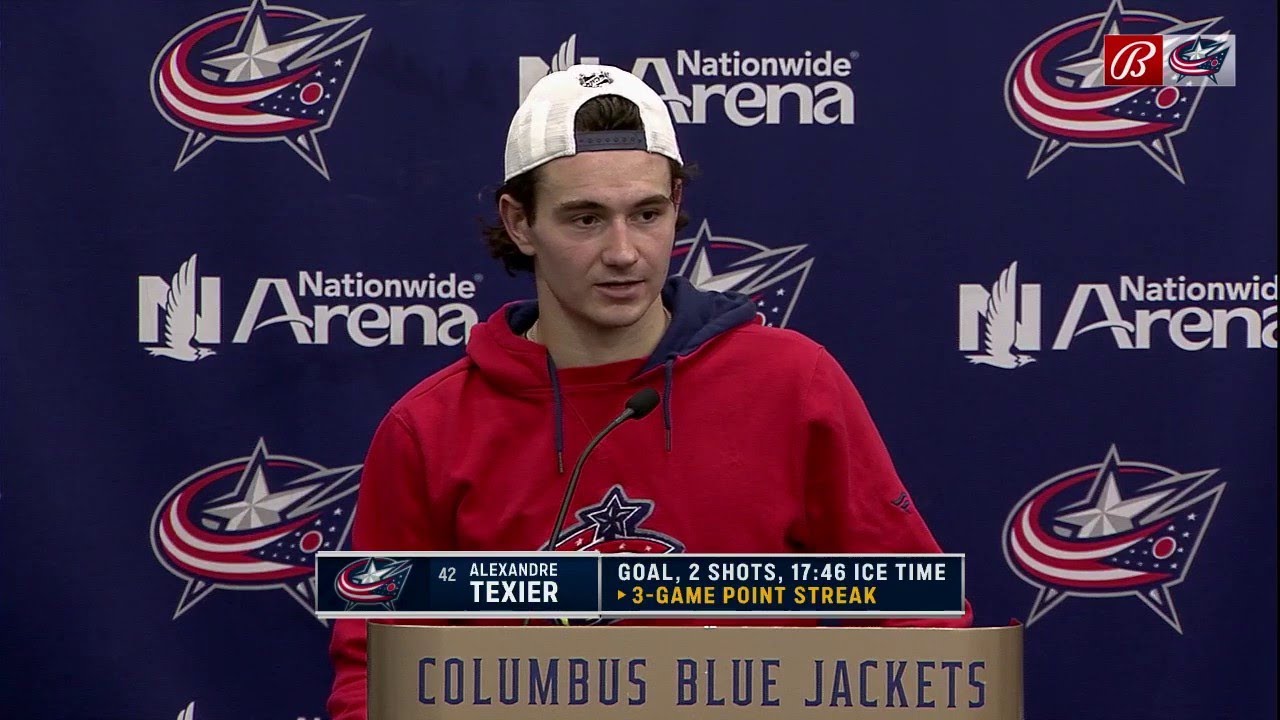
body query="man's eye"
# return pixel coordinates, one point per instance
(586, 220)
(649, 215)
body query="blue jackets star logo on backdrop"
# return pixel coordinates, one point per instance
(257, 74)
(1055, 90)
(772, 278)
(254, 523)
(1117, 528)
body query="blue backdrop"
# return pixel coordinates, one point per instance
(1057, 297)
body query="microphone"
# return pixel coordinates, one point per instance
(638, 405)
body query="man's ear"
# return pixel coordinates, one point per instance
(516, 222)
(677, 193)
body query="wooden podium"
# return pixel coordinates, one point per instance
(595, 673)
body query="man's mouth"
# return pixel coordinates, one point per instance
(623, 290)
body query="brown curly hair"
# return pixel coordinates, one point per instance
(605, 112)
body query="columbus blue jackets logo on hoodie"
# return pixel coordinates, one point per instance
(1113, 529)
(257, 74)
(1055, 92)
(613, 526)
(254, 523)
(772, 277)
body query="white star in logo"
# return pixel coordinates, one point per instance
(1199, 50)
(372, 573)
(259, 507)
(1112, 514)
(258, 58)
(745, 267)
(704, 278)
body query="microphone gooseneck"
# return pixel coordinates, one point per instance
(638, 405)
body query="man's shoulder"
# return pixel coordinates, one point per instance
(780, 345)
(437, 389)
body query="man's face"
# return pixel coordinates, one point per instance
(602, 237)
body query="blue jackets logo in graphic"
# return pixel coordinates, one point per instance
(366, 582)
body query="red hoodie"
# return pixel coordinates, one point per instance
(761, 445)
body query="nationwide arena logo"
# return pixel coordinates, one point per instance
(1189, 314)
(772, 277)
(1057, 89)
(261, 73)
(366, 582)
(1112, 529)
(803, 88)
(254, 523)
(316, 307)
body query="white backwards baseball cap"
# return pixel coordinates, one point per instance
(542, 129)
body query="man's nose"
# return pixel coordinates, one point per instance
(619, 245)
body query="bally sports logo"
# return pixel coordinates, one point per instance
(1138, 60)
(1062, 88)
(257, 74)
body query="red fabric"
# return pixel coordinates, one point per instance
(772, 451)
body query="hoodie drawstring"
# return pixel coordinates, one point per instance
(557, 405)
(559, 414)
(668, 368)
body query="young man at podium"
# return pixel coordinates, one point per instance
(759, 442)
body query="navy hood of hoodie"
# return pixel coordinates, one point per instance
(696, 317)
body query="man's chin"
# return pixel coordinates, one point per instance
(617, 317)
(614, 321)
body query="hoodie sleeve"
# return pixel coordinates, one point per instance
(850, 483)
(393, 514)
